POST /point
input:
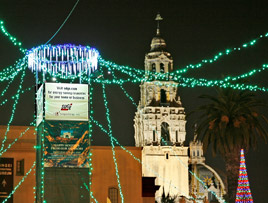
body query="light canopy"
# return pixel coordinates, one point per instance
(67, 59)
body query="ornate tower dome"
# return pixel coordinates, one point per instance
(158, 44)
(158, 59)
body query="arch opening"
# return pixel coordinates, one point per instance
(165, 135)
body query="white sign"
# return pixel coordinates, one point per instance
(39, 103)
(66, 102)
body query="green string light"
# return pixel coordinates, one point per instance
(137, 159)
(90, 136)
(128, 96)
(137, 76)
(183, 82)
(14, 96)
(220, 55)
(8, 85)
(116, 141)
(125, 69)
(15, 140)
(21, 181)
(17, 96)
(133, 156)
(190, 66)
(43, 166)
(112, 142)
(101, 127)
(91, 193)
(12, 71)
(11, 38)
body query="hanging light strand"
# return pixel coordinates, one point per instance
(125, 92)
(90, 137)
(134, 157)
(112, 142)
(11, 38)
(17, 96)
(14, 96)
(12, 71)
(16, 139)
(19, 184)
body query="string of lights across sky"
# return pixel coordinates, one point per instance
(71, 62)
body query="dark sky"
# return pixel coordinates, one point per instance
(122, 32)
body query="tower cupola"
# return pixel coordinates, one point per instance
(158, 59)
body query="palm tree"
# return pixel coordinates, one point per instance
(229, 122)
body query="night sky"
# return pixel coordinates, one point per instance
(122, 32)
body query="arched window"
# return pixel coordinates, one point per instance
(163, 96)
(197, 152)
(154, 135)
(165, 137)
(113, 194)
(193, 153)
(169, 67)
(162, 68)
(153, 67)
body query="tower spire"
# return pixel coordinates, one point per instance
(158, 19)
(195, 132)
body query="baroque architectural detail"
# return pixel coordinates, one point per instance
(159, 125)
(160, 115)
(211, 181)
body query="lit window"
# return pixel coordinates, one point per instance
(113, 194)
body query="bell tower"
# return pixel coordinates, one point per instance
(159, 123)
(158, 60)
(160, 116)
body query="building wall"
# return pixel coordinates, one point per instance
(170, 166)
(104, 176)
(22, 149)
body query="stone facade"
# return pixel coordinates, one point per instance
(160, 129)
(159, 125)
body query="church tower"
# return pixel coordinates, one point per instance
(159, 123)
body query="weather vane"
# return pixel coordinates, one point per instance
(158, 19)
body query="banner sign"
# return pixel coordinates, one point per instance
(66, 101)
(6, 178)
(66, 144)
(40, 105)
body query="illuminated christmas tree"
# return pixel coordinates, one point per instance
(243, 194)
